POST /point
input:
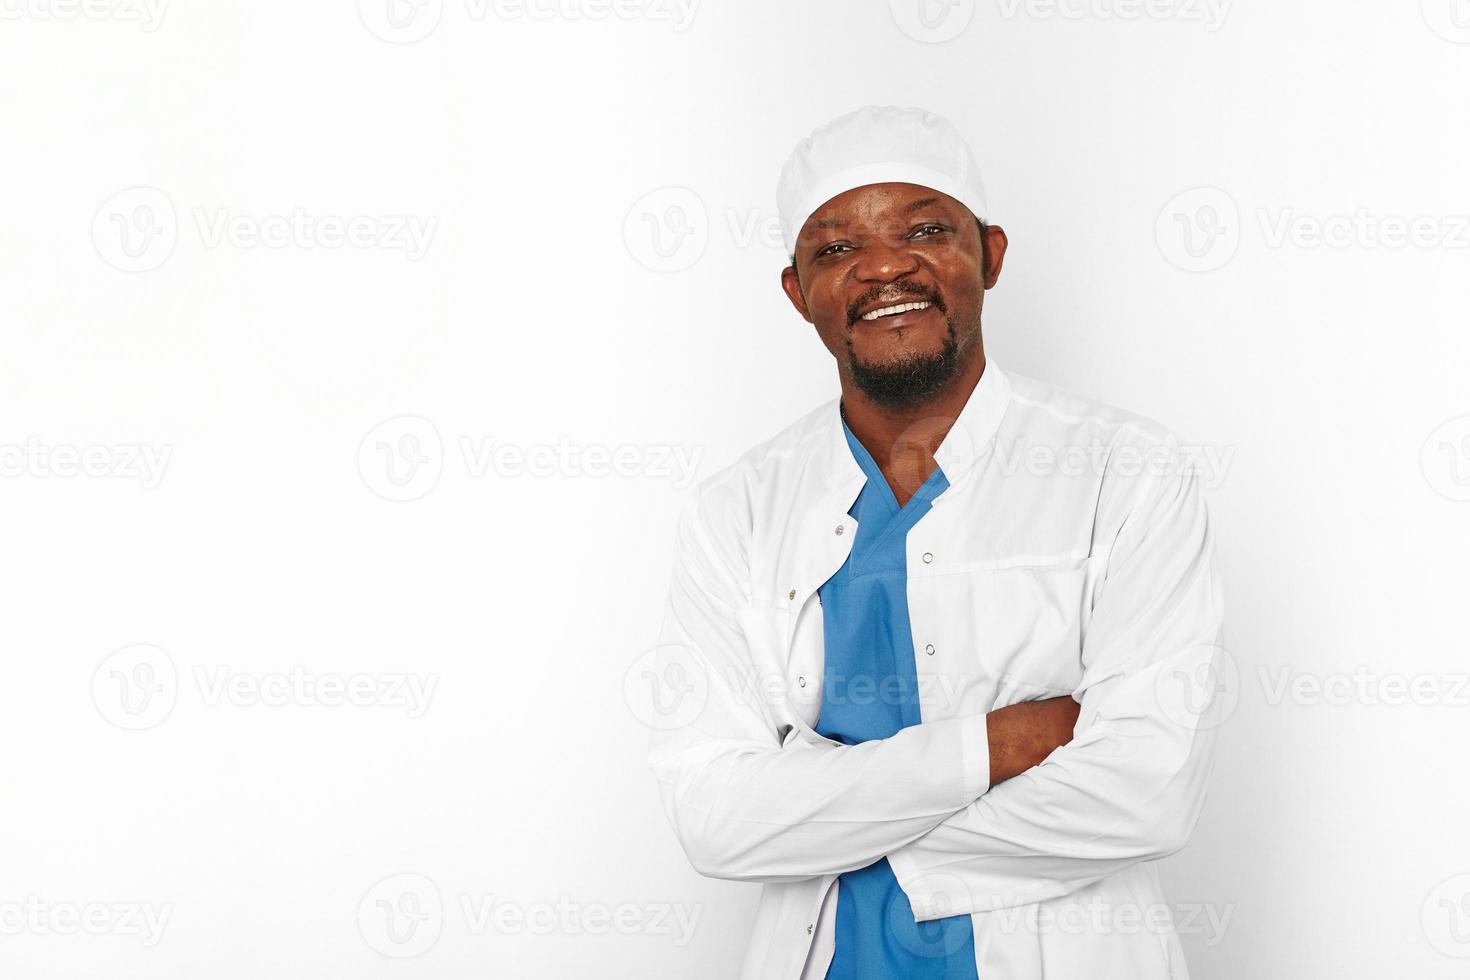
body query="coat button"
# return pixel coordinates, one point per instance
(839, 530)
(929, 649)
(928, 557)
(791, 594)
(808, 928)
(801, 681)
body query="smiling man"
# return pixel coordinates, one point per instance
(941, 655)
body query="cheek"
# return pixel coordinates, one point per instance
(967, 286)
(834, 338)
(828, 312)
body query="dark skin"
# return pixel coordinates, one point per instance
(881, 244)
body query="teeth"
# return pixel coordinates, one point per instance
(892, 310)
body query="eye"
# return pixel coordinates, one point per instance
(827, 250)
(941, 229)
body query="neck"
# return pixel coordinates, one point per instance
(903, 441)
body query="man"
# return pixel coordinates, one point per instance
(945, 699)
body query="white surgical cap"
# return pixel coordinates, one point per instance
(876, 145)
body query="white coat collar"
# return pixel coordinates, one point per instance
(818, 547)
(967, 440)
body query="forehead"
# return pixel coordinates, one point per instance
(874, 203)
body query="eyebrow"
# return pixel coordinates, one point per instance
(904, 211)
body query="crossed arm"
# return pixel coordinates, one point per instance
(1029, 802)
(1022, 735)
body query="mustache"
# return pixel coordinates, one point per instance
(854, 312)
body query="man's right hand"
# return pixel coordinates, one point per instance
(1023, 734)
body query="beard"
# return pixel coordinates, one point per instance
(908, 382)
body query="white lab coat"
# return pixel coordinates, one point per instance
(1092, 576)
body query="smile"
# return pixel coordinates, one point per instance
(895, 310)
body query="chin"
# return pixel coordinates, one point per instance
(898, 349)
(903, 368)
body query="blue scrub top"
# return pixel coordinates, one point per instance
(871, 691)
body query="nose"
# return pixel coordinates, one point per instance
(884, 262)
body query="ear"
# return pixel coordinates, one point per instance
(994, 242)
(792, 287)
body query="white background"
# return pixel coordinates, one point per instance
(600, 270)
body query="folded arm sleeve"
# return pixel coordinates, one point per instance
(1130, 785)
(750, 798)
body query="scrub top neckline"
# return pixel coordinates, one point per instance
(927, 490)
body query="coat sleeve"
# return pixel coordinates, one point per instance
(1130, 785)
(751, 798)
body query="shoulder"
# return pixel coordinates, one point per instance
(1042, 410)
(725, 505)
(1127, 458)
